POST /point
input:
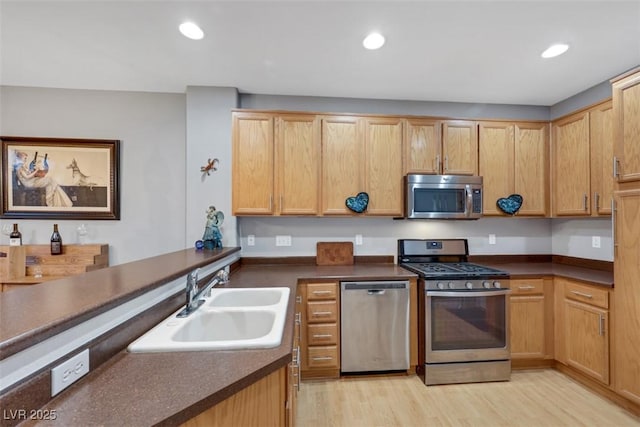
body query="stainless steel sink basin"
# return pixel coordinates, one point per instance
(230, 319)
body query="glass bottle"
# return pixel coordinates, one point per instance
(15, 238)
(56, 241)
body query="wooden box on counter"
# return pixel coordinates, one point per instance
(19, 264)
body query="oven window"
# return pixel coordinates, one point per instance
(448, 200)
(469, 322)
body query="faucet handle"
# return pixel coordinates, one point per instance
(222, 276)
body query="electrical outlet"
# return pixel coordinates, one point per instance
(251, 240)
(595, 241)
(358, 239)
(283, 240)
(68, 372)
(492, 239)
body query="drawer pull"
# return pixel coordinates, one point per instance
(322, 292)
(582, 294)
(526, 287)
(322, 313)
(322, 358)
(323, 335)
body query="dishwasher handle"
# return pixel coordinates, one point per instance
(375, 291)
(372, 286)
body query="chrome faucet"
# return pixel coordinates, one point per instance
(194, 296)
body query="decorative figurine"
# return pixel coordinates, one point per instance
(212, 237)
(212, 165)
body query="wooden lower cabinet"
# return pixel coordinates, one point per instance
(262, 404)
(320, 329)
(528, 320)
(584, 328)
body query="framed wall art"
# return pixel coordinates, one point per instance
(59, 178)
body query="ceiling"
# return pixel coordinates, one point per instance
(460, 51)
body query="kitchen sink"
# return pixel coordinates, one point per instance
(229, 319)
(246, 297)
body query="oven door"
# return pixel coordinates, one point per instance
(465, 326)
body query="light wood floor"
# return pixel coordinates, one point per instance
(534, 398)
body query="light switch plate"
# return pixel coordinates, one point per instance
(492, 239)
(68, 372)
(358, 239)
(251, 240)
(283, 240)
(595, 241)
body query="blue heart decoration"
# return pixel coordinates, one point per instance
(358, 203)
(510, 204)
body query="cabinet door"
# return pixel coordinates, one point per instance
(252, 164)
(298, 164)
(587, 339)
(601, 139)
(626, 296)
(495, 162)
(527, 326)
(460, 147)
(341, 163)
(423, 146)
(626, 119)
(571, 165)
(383, 166)
(531, 159)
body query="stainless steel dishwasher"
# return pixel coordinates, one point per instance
(374, 318)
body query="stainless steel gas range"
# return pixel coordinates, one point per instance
(463, 312)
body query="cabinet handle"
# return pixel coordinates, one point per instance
(613, 225)
(271, 203)
(437, 165)
(281, 202)
(323, 335)
(322, 358)
(596, 201)
(616, 165)
(601, 326)
(585, 202)
(322, 292)
(322, 313)
(526, 287)
(298, 318)
(446, 163)
(582, 294)
(299, 299)
(295, 356)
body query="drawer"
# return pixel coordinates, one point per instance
(322, 334)
(323, 357)
(322, 291)
(587, 294)
(526, 286)
(322, 312)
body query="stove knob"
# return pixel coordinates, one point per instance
(469, 285)
(440, 285)
(497, 284)
(451, 285)
(486, 284)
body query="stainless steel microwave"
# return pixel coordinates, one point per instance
(443, 196)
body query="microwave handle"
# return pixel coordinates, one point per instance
(469, 207)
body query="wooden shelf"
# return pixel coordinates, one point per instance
(18, 264)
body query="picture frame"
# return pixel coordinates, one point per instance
(60, 178)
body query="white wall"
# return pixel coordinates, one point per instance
(380, 235)
(151, 128)
(573, 237)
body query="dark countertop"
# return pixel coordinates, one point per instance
(538, 269)
(170, 388)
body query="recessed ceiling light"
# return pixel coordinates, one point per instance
(191, 30)
(555, 50)
(373, 41)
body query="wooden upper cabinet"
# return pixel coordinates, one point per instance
(571, 165)
(252, 176)
(626, 126)
(513, 159)
(297, 164)
(383, 165)
(341, 166)
(601, 139)
(423, 146)
(460, 147)
(495, 163)
(531, 174)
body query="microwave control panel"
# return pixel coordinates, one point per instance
(477, 200)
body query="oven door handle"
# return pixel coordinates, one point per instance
(466, 294)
